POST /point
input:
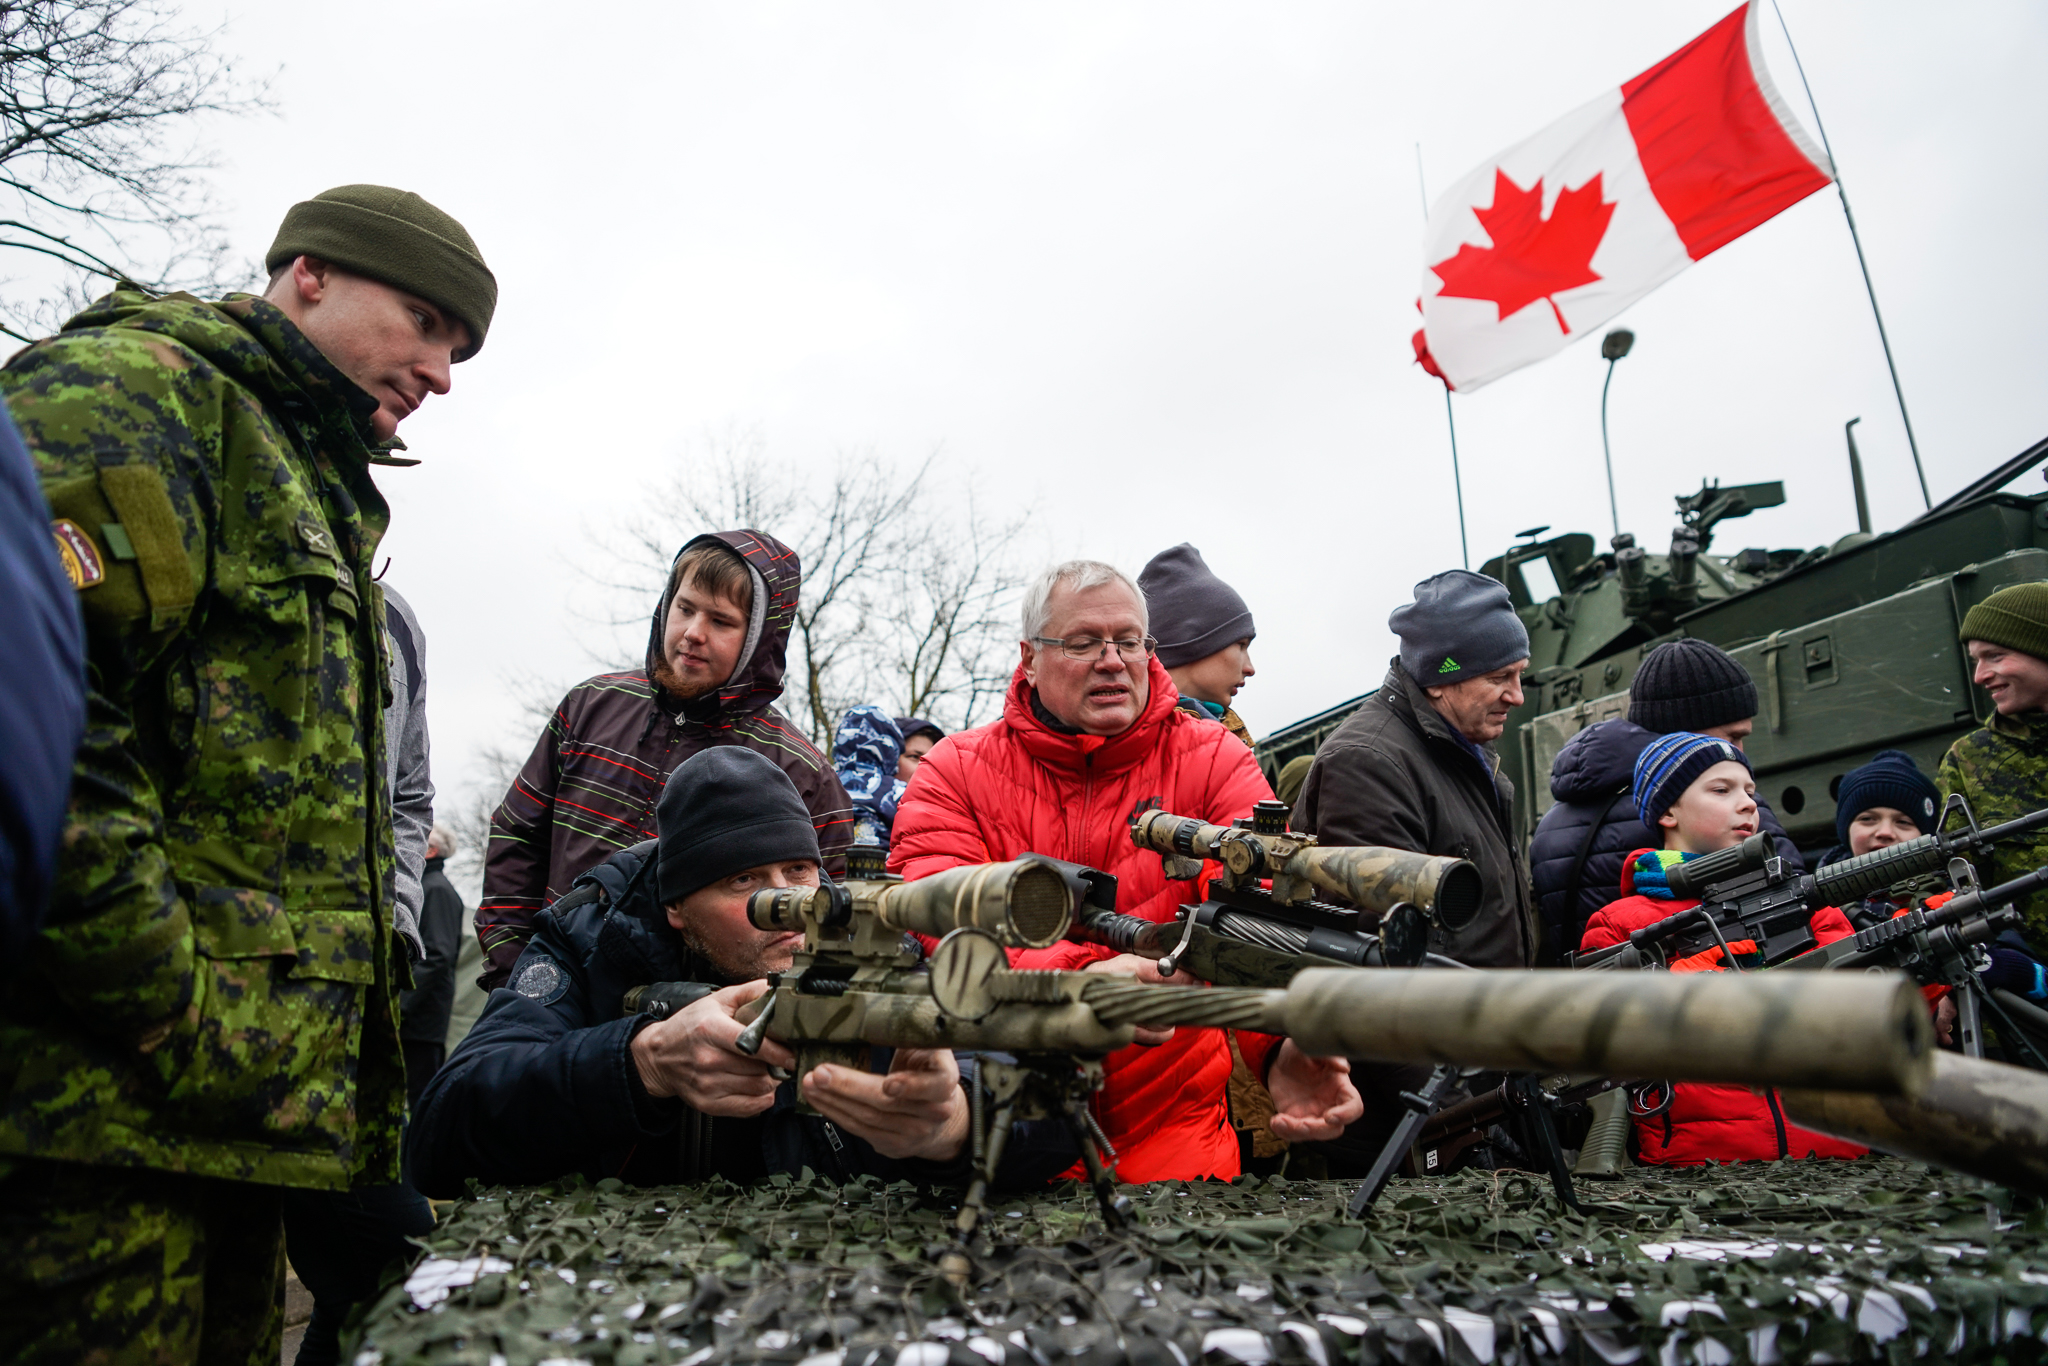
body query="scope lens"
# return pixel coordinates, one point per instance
(1040, 903)
(1458, 896)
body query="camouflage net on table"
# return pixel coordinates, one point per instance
(1795, 1261)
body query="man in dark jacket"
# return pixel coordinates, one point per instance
(423, 1012)
(555, 1078)
(715, 658)
(1413, 767)
(1575, 858)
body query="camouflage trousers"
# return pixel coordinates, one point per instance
(113, 1265)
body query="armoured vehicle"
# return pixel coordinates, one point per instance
(1852, 645)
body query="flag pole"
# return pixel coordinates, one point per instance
(1863, 264)
(1457, 480)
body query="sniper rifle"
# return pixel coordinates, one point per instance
(858, 983)
(1254, 935)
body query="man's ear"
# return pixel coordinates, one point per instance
(674, 912)
(1029, 654)
(309, 278)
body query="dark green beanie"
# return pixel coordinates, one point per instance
(398, 238)
(2015, 617)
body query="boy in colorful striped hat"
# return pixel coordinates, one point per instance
(1699, 791)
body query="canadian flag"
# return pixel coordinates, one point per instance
(1547, 241)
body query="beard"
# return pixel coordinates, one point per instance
(737, 963)
(678, 687)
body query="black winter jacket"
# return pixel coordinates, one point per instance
(1396, 774)
(545, 1084)
(423, 1012)
(1592, 779)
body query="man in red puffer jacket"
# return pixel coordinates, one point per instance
(1090, 736)
(1699, 792)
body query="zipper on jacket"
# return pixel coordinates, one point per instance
(1778, 1118)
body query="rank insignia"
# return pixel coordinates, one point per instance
(82, 562)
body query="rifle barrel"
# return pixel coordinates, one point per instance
(1750, 1028)
(1982, 1118)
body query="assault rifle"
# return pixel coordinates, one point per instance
(1748, 892)
(858, 984)
(1246, 934)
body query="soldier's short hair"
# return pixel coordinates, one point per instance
(716, 568)
(1078, 576)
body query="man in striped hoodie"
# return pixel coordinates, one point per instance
(715, 659)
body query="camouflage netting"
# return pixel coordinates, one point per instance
(1798, 1261)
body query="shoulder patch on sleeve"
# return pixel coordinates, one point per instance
(540, 979)
(82, 562)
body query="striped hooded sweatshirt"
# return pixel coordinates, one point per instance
(590, 786)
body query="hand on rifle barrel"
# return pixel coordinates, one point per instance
(1145, 970)
(691, 1055)
(918, 1110)
(1313, 1098)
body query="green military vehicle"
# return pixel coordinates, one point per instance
(1853, 645)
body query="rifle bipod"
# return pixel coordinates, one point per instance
(1029, 1088)
(1521, 1091)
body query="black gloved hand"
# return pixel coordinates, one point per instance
(2015, 972)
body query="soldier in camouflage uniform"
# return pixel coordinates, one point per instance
(209, 1014)
(2002, 768)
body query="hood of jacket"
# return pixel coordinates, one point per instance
(253, 343)
(757, 679)
(1598, 760)
(1098, 753)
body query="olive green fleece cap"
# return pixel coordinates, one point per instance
(398, 238)
(2015, 617)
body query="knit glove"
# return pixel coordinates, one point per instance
(2014, 971)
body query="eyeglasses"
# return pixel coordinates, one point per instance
(1130, 649)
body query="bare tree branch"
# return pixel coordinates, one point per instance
(905, 602)
(97, 104)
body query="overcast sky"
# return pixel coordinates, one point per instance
(1147, 268)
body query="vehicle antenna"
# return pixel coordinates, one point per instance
(1854, 237)
(1457, 482)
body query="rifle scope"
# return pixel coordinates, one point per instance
(1692, 879)
(1371, 877)
(1026, 903)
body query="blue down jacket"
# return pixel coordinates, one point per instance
(1591, 782)
(864, 754)
(545, 1085)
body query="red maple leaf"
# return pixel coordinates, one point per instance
(1532, 257)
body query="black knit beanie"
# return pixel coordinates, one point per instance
(398, 238)
(1891, 779)
(1192, 613)
(1687, 684)
(723, 811)
(917, 725)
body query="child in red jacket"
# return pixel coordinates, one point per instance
(1699, 791)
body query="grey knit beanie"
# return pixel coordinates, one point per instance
(398, 238)
(1687, 684)
(1461, 625)
(1194, 614)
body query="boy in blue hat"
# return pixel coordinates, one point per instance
(1699, 792)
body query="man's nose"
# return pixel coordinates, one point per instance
(437, 371)
(1513, 696)
(1981, 675)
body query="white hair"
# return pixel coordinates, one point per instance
(442, 838)
(1076, 576)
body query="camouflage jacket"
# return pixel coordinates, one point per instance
(213, 992)
(2002, 771)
